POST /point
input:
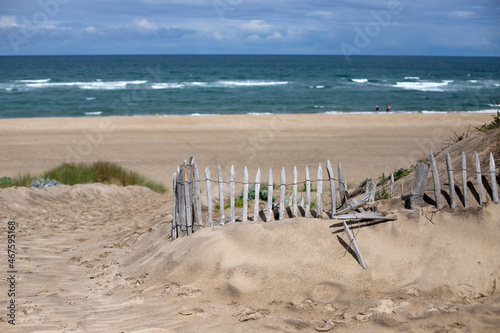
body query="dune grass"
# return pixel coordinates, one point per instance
(81, 173)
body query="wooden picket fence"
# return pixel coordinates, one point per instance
(187, 212)
(418, 188)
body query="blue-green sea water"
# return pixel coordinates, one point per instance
(79, 86)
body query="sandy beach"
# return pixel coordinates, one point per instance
(98, 258)
(366, 145)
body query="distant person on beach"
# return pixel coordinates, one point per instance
(388, 108)
(376, 108)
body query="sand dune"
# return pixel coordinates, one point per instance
(98, 258)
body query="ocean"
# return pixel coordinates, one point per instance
(134, 85)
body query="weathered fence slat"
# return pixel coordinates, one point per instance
(493, 179)
(209, 197)
(435, 178)
(451, 181)
(352, 241)
(371, 187)
(181, 207)
(269, 195)
(294, 192)
(333, 195)
(188, 201)
(197, 194)
(391, 193)
(245, 195)
(308, 193)
(282, 195)
(479, 180)
(319, 192)
(221, 195)
(173, 230)
(257, 193)
(464, 180)
(342, 187)
(364, 215)
(232, 179)
(418, 186)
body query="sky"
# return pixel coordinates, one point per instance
(337, 27)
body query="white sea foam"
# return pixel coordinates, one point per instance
(250, 83)
(95, 113)
(412, 78)
(424, 85)
(89, 98)
(320, 87)
(33, 81)
(98, 85)
(360, 80)
(167, 86)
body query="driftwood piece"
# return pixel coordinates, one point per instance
(269, 195)
(188, 200)
(371, 187)
(221, 195)
(418, 186)
(245, 195)
(351, 208)
(493, 180)
(464, 180)
(209, 198)
(308, 193)
(451, 181)
(479, 180)
(319, 192)
(333, 195)
(352, 241)
(435, 178)
(257, 193)
(232, 180)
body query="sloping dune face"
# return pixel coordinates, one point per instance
(95, 258)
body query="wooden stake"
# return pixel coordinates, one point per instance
(221, 195)
(188, 201)
(435, 178)
(493, 179)
(257, 193)
(333, 195)
(464, 180)
(232, 179)
(245, 195)
(451, 181)
(282, 194)
(209, 197)
(197, 195)
(352, 241)
(319, 192)
(418, 186)
(294, 192)
(342, 188)
(392, 186)
(173, 230)
(308, 193)
(269, 195)
(479, 180)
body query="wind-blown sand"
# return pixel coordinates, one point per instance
(97, 258)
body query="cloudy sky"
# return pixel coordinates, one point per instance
(367, 27)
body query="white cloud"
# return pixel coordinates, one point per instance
(463, 14)
(8, 22)
(90, 29)
(276, 35)
(144, 24)
(321, 13)
(257, 26)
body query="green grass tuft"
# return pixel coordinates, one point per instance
(98, 172)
